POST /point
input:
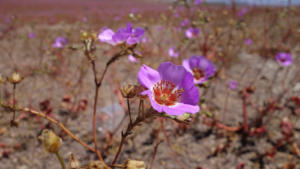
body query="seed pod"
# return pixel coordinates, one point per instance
(134, 164)
(15, 78)
(128, 91)
(50, 140)
(73, 162)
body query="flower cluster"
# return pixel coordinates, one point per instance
(126, 35)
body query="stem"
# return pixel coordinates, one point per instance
(119, 149)
(170, 145)
(52, 121)
(14, 104)
(245, 117)
(155, 150)
(129, 131)
(129, 113)
(97, 86)
(61, 160)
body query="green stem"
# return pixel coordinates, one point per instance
(61, 160)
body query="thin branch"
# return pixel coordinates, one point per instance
(52, 120)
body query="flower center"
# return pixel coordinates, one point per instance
(282, 59)
(198, 73)
(166, 93)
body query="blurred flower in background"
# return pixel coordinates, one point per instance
(173, 53)
(185, 22)
(170, 89)
(232, 84)
(242, 12)
(248, 41)
(31, 35)
(285, 59)
(197, 2)
(129, 35)
(59, 42)
(191, 32)
(200, 67)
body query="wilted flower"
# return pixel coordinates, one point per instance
(285, 59)
(73, 162)
(248, 41)
(232, 84)
(170, 89)
(59, 42)
(197, 2)
(191, 32)
(15, 78)
(200, 67)
(129, 35)
(128, 91)
(173, 53)
(185, 22)
(31, 35)
(50, 140)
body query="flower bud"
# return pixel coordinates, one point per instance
(15, 78)
(73, 162)
(134, 164)
(50, 140)
(128, 91)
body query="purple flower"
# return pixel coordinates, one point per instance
(248, 41)
(185, 22)
(232, 84)
(173, 53)
(129, 35)
(197, 2)
(285, 59)
(200, 67)
(242, 12)
(59, 42)
(191, 32)
(170, 89)
(84, 19)
(31, 35)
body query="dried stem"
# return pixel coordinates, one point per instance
(14, 104)
(245, 117)
(169, 144)
(129, 113)
(155, 150)
(52, 120)
(128, 131)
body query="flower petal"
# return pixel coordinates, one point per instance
(148, 76)
(181, 108)
(190, 93)
(106, 36)
(171, 72)
(186, 65)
